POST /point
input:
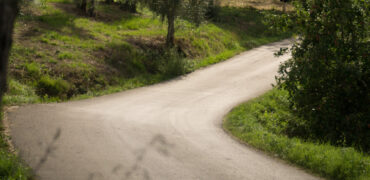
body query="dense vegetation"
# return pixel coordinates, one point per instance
(328, 78)
(319, 117)
(268, 123)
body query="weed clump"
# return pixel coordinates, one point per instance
(48, 86)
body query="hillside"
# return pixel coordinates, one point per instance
(60, 54)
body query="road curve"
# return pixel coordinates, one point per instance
(171, 130)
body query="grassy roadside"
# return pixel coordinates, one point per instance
(60, 54)
(11, 167)
(263, 122)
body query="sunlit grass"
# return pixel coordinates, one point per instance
(84, 51)
(261, 123)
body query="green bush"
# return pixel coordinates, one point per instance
(172, 64)
(328, 78)
(264, 123)
(33, 69)
(48, 86)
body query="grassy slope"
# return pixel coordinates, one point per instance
(61, 52)
(262, 123)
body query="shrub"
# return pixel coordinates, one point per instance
(53, 87)
(264, 123)
(172, 64)
(328, 78)
(33, 69)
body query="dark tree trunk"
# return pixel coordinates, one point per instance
(170, 41)
(8, 12)
(132, 8)
(108, 1)
(127, 6)
(91, 10)
(83, 5)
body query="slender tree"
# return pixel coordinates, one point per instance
(91, 8)
(169, 10)
(8, 13)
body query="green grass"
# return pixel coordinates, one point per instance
(118, 50)
(263, 122)
(59, 54)
(11, 167)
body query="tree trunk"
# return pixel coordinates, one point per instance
(91, 10)
(170, 41)
(128, 6)
(8, 12)
(132, 8)
(108, 1)
(83, 5)
(284, 7)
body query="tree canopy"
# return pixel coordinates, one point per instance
(328, 78)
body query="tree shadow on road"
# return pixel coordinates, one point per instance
(158, 144)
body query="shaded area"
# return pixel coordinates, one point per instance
(247, 23)
(269, 123)
(108, 13)
(158, 143)
(60, 53)
(50, 148)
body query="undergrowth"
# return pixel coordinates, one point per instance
(269, 124)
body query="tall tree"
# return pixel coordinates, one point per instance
(8, 13)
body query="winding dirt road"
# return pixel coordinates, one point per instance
(168, 131)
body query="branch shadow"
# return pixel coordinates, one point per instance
(157, 144)
(49, 150)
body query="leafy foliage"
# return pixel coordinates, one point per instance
(53, 87)
(328, 78)
(193, 10)
(267, 123)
